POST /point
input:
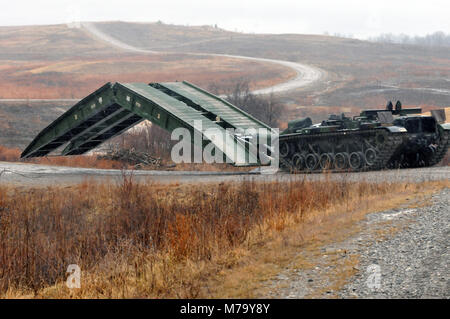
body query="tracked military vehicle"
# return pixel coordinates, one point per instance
(376, 139)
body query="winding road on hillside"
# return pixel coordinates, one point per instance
(306, 74)
(44, 175)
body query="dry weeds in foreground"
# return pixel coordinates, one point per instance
(86, 161)
(147, 240)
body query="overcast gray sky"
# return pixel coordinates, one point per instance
(359, 18)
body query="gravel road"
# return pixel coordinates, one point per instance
(25, 174)
(412, 262)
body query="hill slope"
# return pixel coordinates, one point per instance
(361, 72)
(61, 62)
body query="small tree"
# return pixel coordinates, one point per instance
(266, 108)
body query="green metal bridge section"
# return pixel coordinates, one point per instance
(116, 107)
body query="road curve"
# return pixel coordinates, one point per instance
(306, 74)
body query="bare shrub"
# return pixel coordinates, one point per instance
(266, 108)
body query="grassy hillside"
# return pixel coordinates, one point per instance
(160, 36)
(56, 61)
(48, 42)
(76, 77)
(360, 73)
(61, 62)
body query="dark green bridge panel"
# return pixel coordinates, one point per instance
(114, 108)
(76, 120)
(218, 108)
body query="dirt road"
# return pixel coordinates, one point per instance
(24, 174)
(306, 74)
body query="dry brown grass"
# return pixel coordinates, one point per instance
(299, 245)
(149, 240)
(75, 77)
(9, 154)
(86, 161)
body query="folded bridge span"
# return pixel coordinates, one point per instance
(116, 107)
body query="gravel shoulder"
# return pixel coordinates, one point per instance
(400, 253)
(412, 264)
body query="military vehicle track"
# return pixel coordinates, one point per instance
(374, 142)
(441, 150)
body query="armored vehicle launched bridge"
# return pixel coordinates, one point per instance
(116, 107)
(376, 139)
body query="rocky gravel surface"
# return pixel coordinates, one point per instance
(400, 253)
(415, 263)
